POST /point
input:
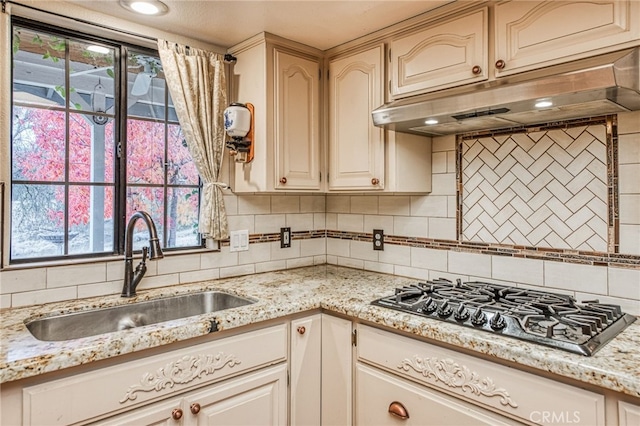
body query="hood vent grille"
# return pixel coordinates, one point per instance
(476, 114)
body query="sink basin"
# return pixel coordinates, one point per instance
(107, 320)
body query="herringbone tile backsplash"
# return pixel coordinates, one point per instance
(545, 188)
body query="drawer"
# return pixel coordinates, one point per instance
(376, 391)
(524, 395)
(111, 389)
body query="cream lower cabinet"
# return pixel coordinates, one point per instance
(628, 414)
(400, 377)
(257, 399)
(242, 377)
(383, 399)
(305, 365)
(337, 365)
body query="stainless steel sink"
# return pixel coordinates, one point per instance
(107, 320)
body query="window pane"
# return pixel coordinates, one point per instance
(90, 219)
(145, 152)
(91, 149)
(181, 170)
(38, 149)
(37, 221)
(38, 68)
(145, 87)
(150, 200)
(91, 77)
(183, 218)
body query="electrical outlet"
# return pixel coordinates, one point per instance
(285, 237)
(378, 239)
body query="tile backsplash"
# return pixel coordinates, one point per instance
(540, 188)
(420, 236)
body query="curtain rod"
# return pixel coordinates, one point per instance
(227, 57)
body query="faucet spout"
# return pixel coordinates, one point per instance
(132, 278)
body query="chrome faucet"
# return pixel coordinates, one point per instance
(132, 278)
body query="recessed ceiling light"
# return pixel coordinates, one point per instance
(145, 7)
(98, 49)
(431, 121)
(543, 104)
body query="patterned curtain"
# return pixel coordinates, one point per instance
(196, 81)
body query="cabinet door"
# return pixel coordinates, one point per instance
(382, 399)
(531, 34)
(258, 399)
(297, 116)
(305, 367)
(440, 56)
(356, 146)
(336, 371)
(628, 414)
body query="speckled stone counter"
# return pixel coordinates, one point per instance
(279, 294)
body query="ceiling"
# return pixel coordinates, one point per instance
(318, 23)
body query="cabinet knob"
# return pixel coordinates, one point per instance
(283, 180)
(195, 408)
(500, 64)
(176, 414)
(375, 181)
(476, 70)
(301, 329)
(397, 409)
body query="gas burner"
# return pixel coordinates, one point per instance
(550, 319)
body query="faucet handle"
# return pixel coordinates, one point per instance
(145, 253)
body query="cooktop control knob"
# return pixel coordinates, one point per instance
(497, 321)
(478, 318)
(462, 313)
(429, 305)
(445, 310)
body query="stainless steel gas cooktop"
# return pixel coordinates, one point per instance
(550, 319)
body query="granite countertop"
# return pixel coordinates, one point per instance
(616, 366)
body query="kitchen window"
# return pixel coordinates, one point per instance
(94, 138)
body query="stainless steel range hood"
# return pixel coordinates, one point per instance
(596, 86)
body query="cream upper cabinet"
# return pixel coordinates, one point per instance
(356, 146)
(281, 79)
(297, 121)
(438, 56)
(530, 34)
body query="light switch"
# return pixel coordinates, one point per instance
(239, 240)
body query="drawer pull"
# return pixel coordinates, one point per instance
(397, 409)
(195, 408)
(301, 329)
(500, 64)
(476, 70)
(283, 180)
(176, 414)
(375, 181)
